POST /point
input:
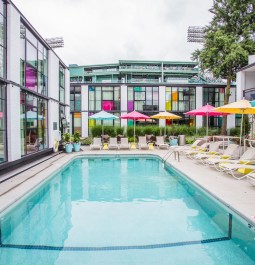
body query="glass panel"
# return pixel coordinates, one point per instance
(2, 30)
(31, 78)
(2, 61)
(107, 95)
(31, 37)
(31, 55)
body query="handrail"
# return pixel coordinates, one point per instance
(169, 153)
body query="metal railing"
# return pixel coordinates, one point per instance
(176, 154)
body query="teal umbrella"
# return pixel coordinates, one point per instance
(103, 115)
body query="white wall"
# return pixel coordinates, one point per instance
(53, 75)
(84, 108)
(123, 103)
(162, 103)
(249, 79)
(199, 103)
(13, 92)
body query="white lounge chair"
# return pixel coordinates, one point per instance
(142, 144)
(231, 152)
(124, 144)
(194, 146)
(251, 177)
(97, 144)
(238, 171)
(160, 143)
(214, 149)
(113, 143)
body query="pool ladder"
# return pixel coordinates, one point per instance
(176, 154)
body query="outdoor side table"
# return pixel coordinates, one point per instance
(105, 147)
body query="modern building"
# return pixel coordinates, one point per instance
(146, 86)
(34, 90)
(246, 80)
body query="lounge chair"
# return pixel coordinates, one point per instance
(33, 147)
(238, 171)
(231, 152)
(251, 177)
(124, 144)
(197, 144)
(160, 143)
(142, 144)
(192, 152)
(97, 144)
(214, 149)
(113, 143)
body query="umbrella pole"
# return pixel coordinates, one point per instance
(134, 130)
(241, 131)
(207, 126)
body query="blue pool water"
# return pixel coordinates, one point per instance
(123, 211)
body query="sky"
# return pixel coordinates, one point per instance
(106, 31)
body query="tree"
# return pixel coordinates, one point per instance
(229, 39)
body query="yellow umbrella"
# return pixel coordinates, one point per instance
(242, 106)
(166, 116)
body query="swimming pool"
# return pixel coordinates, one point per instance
(123, 210)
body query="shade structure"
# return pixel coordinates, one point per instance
(207, 110)
(164, 115)
(134, 115)
(242, 106)
(103, 115)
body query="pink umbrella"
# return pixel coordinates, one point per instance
(134, 115)
(207, 110)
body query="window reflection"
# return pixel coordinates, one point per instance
(33, 120)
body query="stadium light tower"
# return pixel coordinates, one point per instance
(196, 34)
(57, 42)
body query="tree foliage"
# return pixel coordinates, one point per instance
(229, 39)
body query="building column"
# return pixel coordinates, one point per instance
(199, 104)
(84, 109)
(162, 103)
(13, 123)
(123, 104)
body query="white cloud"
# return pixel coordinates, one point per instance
(99, 31)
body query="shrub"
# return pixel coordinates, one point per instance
(120, 130)
(110, 130)
(96, 131)
(234, 132)
(87, 141)
(76, 137)
(148, 129)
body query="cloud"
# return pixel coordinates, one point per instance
(99, 31)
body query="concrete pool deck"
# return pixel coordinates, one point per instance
(239, 195)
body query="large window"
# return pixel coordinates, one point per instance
(3, 155)
(214, 97)
(75, 98)
(2, 39)
(33, 62)
(33, 120)
(105, 98)
(180, 99)
(61, 84)
(143, 99)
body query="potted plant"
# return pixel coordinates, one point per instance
(68, 144)
(76, 140)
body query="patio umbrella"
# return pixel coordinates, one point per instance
(103, 115)
(166, 116)
(207, 110)
(242, 106)
(134, 115)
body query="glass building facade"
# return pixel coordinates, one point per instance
(33, 62)
(33, 107)
(105, 98)
(33, 120)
